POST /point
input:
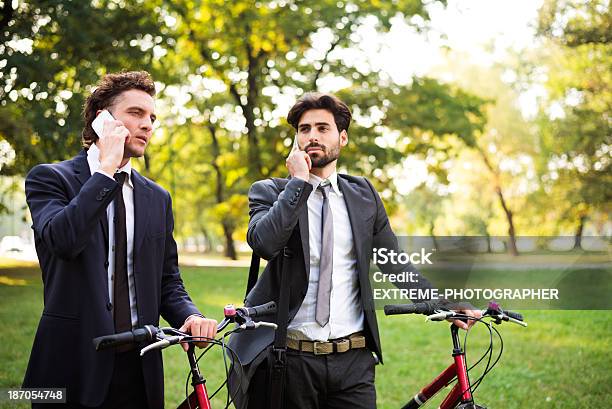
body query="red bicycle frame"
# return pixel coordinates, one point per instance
(460, 396)
(198, 399)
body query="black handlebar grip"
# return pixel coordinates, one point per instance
(111, 341)
(267, 308)
(416, 308)
(515, 315)
(147, 333)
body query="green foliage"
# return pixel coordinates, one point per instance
(242, 66)
(52, 52)
(574, 119)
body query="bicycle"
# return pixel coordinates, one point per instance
(161, 338)
(461, 395)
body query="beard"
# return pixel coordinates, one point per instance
(328, 154)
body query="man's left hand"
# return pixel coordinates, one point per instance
(199, 327)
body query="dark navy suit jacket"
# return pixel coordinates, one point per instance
(68, 207)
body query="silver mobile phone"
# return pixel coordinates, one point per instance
(295, 143)
(98, 122)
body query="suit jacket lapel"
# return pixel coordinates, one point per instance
(142, 208)
(355, 206)
(305, 239)
(83, 173)
(81, 167)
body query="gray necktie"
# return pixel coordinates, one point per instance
(326, 258)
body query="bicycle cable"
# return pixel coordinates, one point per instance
(488, 352)
(488, 367)
(501, 350)
(213, 342)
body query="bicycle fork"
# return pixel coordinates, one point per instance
(460, 397)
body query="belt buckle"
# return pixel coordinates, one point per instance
(317, 348)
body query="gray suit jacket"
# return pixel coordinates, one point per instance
(278, 229)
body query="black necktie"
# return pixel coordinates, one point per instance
(123, 319)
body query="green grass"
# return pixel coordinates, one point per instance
(562, 360)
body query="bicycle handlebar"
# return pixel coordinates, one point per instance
(242, 315)
(253, 312)
(146, 333)
(425, 308)
(515, 315)
(436, 311)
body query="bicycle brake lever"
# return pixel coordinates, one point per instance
(161, 344)
(439, 315)
(255, 325)
(515, 321)
(266, 324)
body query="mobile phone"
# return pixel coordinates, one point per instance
(295, 143)
(98, 123)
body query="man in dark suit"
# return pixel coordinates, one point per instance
(324, 226)
(104, 238)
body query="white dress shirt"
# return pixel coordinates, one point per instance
(93, 159)
(346, 312)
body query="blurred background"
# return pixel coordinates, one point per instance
(471, 117)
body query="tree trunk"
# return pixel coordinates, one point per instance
(509, 217)
(228, 230)
(254, 155)
(230, 247)
(433, 235)
(579, 231)
(500, 194)
(207, 241)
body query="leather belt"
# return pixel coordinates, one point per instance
(353, 341)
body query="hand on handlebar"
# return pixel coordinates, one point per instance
(199, 327)
(470, 311)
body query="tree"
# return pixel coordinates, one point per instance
(243, 83)
(574, 118)
(52, 52)
(227, 74)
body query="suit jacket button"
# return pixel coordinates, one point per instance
(98, 198)
(109, 306)
(106, 264)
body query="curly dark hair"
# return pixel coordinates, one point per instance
(105, 94)
(318, 100)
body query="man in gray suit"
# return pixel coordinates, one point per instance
(323, 226)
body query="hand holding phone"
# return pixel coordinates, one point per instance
(298, 162)
(99, 122)
(112, 138)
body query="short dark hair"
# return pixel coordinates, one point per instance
(105, 94)
(318, 100)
